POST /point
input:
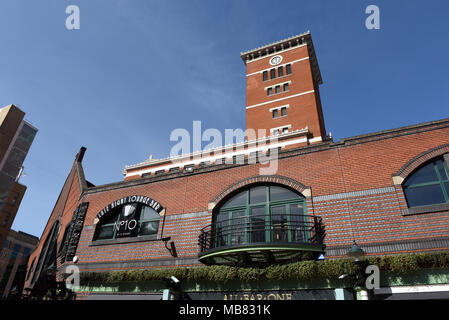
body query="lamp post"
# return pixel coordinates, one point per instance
(357, 253)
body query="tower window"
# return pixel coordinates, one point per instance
(288, 68)
(277, 89)
(284, 111)
(273, 73)
(280, 130)
(265, 75)
(280, 71)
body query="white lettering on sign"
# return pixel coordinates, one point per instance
(131, 199)
(128, 225)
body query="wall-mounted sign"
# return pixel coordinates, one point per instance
(73, 233)
(308, 294)
(131, 199)
(127, 224)
(276, 60)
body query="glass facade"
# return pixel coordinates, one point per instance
(13, 163)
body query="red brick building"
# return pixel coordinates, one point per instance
(388, 191)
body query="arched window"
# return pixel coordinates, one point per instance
(48, 253)
(267, 213)
(128, 220)
(428, 185)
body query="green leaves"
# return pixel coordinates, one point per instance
(302, 271)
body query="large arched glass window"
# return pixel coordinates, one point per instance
(128, 220)
(428, 185)
(261, 214)
(47, 256)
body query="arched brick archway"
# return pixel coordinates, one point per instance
(280, 180)
(410, 166)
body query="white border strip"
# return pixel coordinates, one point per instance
(217, 156)
(280, 99)
(288, 126)
(272, 54)
(414, 289)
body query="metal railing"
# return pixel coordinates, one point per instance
(276, 228)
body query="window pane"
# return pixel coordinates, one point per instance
(273, 73)
(238, 227)
(422, 175)
(265, 75)
(285, 86)
(278, 89)
(110, 217)
(236, 201)
(446, 186)
(426, 195)
(148, 213)
(275, 113)
(279, 193)
(257, 195)
(148, 228)
(442, 170)
(295, 210)
(270, 91)
(280, 71)
(288, 69)
(105, 233)
(279, 223)
(298, 226)
(258, 224)
(221, 228)
(26, 252)
(284, 111)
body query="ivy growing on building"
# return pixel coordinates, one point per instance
(304, 270)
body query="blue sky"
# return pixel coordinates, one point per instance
(136, 70)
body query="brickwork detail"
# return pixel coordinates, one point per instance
(422, 158)
(259, 179)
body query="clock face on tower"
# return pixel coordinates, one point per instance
(275, 60)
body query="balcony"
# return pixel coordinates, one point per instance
(262, 240)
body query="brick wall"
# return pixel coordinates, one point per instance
(351, 189)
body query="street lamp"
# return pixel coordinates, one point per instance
(357, 253)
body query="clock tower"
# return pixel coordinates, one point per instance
(282, 90)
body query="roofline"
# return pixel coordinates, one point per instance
(326, 145)
(277, 44)
(286, 44)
